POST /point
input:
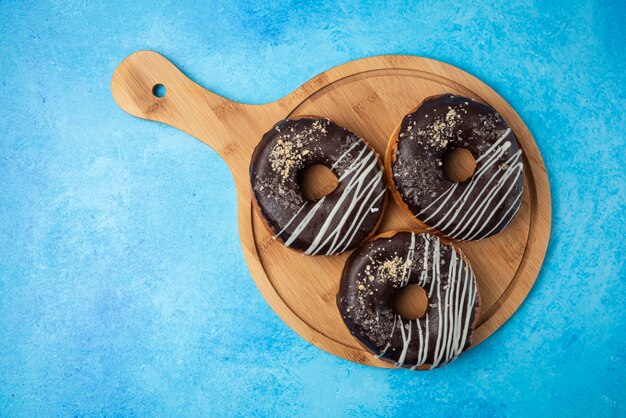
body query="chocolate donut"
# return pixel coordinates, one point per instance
(474, 209)
(338, 221)
(378, 269)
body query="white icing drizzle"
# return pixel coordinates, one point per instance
(516, 170)
(478, 203)
(359, 197)
(454, 309)
(457, 217)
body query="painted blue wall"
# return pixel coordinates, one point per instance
(123, 289)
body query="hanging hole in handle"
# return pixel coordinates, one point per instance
(158, 91)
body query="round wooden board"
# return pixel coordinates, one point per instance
(370, 97)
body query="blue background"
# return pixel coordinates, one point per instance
(123, 289)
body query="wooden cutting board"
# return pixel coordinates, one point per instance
(370, 97)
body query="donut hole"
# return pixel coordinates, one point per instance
(458, 164)
(316, 181)
(410, 302)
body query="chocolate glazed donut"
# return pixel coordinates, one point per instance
(477, 208)
(338, 221)
(378, 269)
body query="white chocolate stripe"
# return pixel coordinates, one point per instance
(371, 186)
(355, 181)
(406, 339)
(513, 206)
(461, 200)
(420, 338)
(451, 273)
(446, 193)
(457, 314)
(450, 354)
(304, 222)
(457, 307)
(493, 212)
(469, 211)
(363, 217)
(476, 214)
(436, 259)
(437, 282)
(471, 299)
(424, 274)
(462, 343)
(424, 343)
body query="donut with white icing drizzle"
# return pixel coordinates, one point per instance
(474, 209)
(336, 222)
(378, 269)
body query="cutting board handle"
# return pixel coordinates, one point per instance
(184, 105)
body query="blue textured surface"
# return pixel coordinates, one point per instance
(123, 289)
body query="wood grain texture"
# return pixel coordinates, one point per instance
(368, 96)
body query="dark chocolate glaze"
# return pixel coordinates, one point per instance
(479, 207)
(338, 221)
(375, 271)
